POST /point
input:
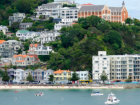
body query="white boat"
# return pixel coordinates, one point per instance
(112, 100)
(97, 94)
(39, 94)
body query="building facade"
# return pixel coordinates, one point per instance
(39, 49)
(18, 75)
(111, 14)
(38, 75)
(26, 73)
(117, 67)
(24, 26)
(83, 75)
(60, 25)
(11, 73)
(17, 17)
(4, 29)
(62, 75)
(47, 74)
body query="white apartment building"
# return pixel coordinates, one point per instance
(3, 29)
(17, 17)
(118, 67)
(47, 74)
(100, 63)
(25, 34)
(18, 75)
(60, 25)
(39, 49)
(69, 14)
(83, 75)
(47, 36)
(68, 2)
(49, 10)
(26, 73)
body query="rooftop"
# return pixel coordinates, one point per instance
(61, 71)
(23, 31)
(1, 41)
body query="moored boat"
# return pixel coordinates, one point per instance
(112, 100)
(97, 94)
(39, 94)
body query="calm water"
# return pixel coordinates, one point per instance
(67, 97)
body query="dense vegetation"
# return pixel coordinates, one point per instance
(8, 7)
(83, 40)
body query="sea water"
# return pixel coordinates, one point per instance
(68, 97)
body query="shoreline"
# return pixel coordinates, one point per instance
(59, 87)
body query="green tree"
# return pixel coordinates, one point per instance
(26, 46)
(74, 77)
(51, 78)
(15, 26)
(1, 73)
(29, 78)
(129, 79)
(20, 51)
(5, 77)
(50, 19)
(104, 26)
(44, 58)
(128, 21)
(103, 76)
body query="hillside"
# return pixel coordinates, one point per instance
(79, 43)
(8, 7)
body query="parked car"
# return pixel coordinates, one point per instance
(69, 83)
(21, 83)
(35, 82)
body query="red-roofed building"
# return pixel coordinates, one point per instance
(87, 4)
(24, 60)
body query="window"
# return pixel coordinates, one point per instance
(104, 58)
(96, 61)
(96, 71)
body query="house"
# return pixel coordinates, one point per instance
(17, 17)
(62, 75)
(18, 75)
(69, 14)
(57, 20)
(26, 73)
(49, 10)
(24, 60)
(9, 48)
(9, 34)
(39, 49)
(11, 73)
(38, 75)
(3, 29)
(47, 74)
(25, 34)
(60, 25)
(47, 36)
(111, 14)
(83, 75)
(24, 26)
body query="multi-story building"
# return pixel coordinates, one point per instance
(38, 75)
(69, 14)
(18, 75)
(100, 63)
(47, 74)
(47, 36)
(83, 75)
(25, 34)
(11, 73)
(26, 73)
(60, 25)
(9, 48)
(39, 49)
(24, 26)
(17, 17)
(49, 10)
(111, 14)
(24, 60)
(117, 67)
(3, 29)
(62, 75)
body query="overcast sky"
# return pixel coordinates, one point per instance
(133, 6)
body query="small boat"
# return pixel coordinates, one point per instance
(39, 94)
(112, 100)
(16, 91)
(97, 94)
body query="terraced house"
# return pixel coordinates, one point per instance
(62, 75)
(111, 14)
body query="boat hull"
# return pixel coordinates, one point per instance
(97, 94)
(112, 103)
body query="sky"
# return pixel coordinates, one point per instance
(132, 6)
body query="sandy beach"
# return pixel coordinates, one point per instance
(60, 87)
